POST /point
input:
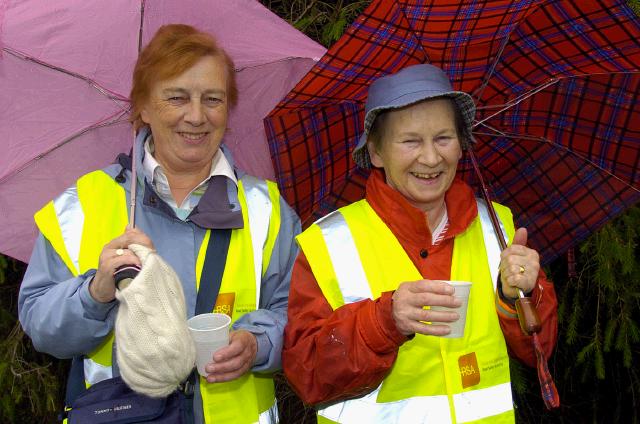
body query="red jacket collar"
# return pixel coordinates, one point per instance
(409, 222)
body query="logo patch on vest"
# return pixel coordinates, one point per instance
(469, 371)
(224, 303)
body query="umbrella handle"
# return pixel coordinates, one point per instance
(527, 313)
(528, 316)
(124, 275)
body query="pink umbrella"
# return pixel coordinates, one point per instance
(65, 74)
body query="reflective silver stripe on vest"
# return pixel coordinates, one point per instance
(69, 213)
(472, 405)
(259, 212)
(269, 416)
(94, 372)
(491, 240)
(71, 221)
(345, 258)
(419, 409)
(478, 404)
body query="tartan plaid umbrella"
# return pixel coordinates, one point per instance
(557, 86)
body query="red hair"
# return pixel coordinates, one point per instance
(174, 49)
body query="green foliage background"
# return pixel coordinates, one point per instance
(30, 382)
(595, 363)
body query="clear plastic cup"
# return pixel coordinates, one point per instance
(462, 289)
(209, 332)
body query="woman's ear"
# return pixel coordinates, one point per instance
(376, 159)
(144, 116)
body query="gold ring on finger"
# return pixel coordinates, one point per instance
(522, 269)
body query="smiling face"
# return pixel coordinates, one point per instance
(188, 116)
(419, 149)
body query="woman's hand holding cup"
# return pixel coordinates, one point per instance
(409, 313)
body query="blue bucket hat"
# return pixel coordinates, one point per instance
(411, 85)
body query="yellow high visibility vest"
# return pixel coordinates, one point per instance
(99, 203)
(355, 256)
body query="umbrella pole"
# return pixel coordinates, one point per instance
(527, 314)
(126, 273)
(134, 184)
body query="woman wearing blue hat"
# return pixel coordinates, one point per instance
(363, 342)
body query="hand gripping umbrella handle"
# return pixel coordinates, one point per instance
(527, 313)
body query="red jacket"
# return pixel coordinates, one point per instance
(330, 355)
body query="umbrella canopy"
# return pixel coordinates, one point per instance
(65, 75)
(556, 83)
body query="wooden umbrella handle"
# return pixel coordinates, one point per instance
(528, 316)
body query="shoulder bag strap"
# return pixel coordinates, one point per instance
(212, 270)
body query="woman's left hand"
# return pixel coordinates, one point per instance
(519, 266)
(235, 360)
